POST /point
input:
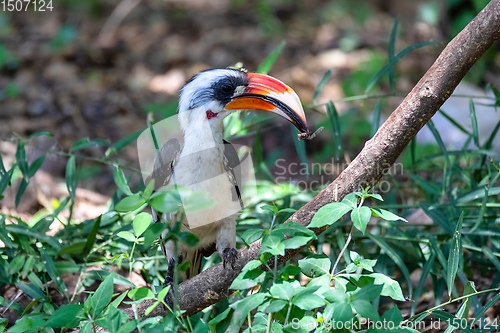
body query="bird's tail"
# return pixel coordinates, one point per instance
(195, 266)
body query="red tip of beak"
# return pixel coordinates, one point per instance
(264, 84)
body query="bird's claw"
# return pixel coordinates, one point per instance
(229, 255)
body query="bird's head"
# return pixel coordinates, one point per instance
(215, 93)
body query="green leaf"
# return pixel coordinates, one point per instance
(86, 143)
(251, 235)
(284, 290)
(30, 289)
(36, 165)
(127, 236)
(342, 312)
(329, 214)
(360, 218)
(351, 199)
(249, 277)
(130, 203)
(120, 180)
(68, 315)
(367, 293)
(153, 232)
(141, 223)
(20, 191)
(71, 176)
(54, 274)
(102, 296)
(242, 308)
(140, 293)
(294, 229)
(393, 315)
(365, 309)
(165, 202)
(308, 301)
(454, 256)
(38, 134)
(189, 238)
(76, 247)
(321, 85)
(271, 243)
(122, 143)
(386, 215)
(268, 63)
(275, 305)
(117, 301)
(296, 242)
(315, 265)
(21, 161)
(16, 264)
(5, 179)
(89, 244)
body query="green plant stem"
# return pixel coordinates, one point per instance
(288, 313)
(269, 318)
(429, 311)
(76, 287)
(131, 260)
(249, 319)
(341, 252)
(136, 315)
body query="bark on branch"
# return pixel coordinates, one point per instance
(373, 161)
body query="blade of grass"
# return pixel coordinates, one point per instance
(376, 118)
(392, 42)
(394, 255)
(300, 147)
(494, 260)
(321, 85)
(268, 63)
(473, 118)
(391, 64)
(453, 121)
(423, 277)
(488, 143)
(333, 116)
(446, 173)
(122, 143)
(454, 256)
(22, 163)
(71, 177)
(92, 236)
(438, 217)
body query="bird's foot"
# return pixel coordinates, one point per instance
(229, 255)
(169, 281)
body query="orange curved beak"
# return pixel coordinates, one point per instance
(266, 93)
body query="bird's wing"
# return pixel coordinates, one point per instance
(165, 161)
(163, 167)
(231, 161)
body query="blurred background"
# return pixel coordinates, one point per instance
(96, 69)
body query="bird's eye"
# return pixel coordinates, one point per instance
(226, 88)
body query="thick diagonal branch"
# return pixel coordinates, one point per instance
(374, 160)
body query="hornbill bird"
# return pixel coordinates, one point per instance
(205, 100)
